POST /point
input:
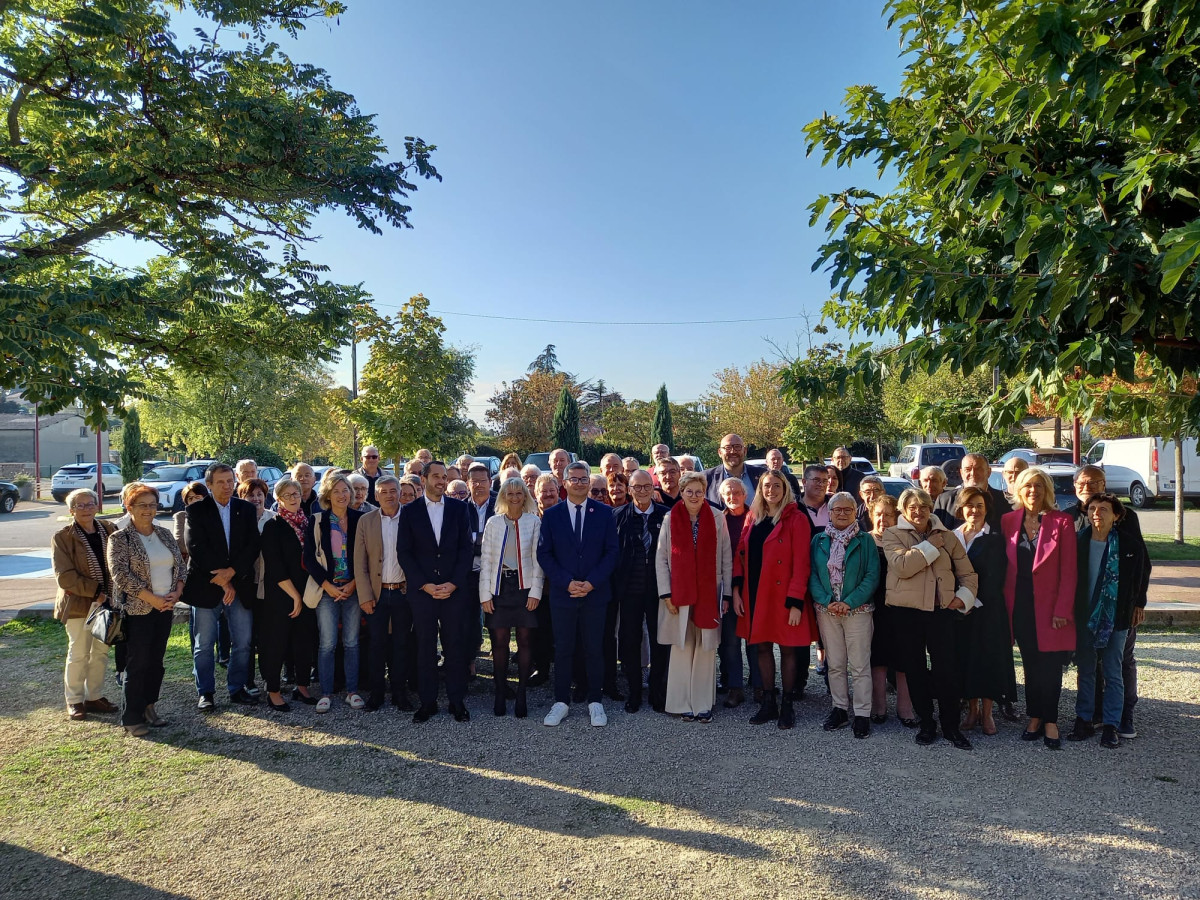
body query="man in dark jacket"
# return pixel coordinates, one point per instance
(370, 470)
(223, 546)
(975, 473)
(732, 451)
(851, 477)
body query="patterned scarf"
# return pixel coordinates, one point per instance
(1104, 600)
(96, 569)
(838, 540)
(298, 520)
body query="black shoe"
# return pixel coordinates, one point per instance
(1109, 739)
(1082, 731)
(768, 711)
(614, 693)
(537, 679)
(521, 707)
(500, 706)
(242, 698)
(424, 714)
(862, 726)
(1033, 735)
(837, 718)
(910, 723)
(879, 718)
(634, 703)
(798, 695)
(252, 689)
(279, 707)
(206, 703)
(373, 703)
(402, 703)
(1126, 729)
(927, 736)
(310, 700)
(958, 739)
(787, 714)
(460, 712)
(1052, 743)
(735, 699)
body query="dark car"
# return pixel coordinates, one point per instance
(9, 495)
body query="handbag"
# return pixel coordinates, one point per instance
(106, 624)
(313, 591)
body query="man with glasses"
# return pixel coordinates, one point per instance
(870, 489)
(598, 489)
(732, 451)
(975, 473)
(1012, 469)
(1091, 480)
(577, 550)
(667, 472)
(812, 498)
(370, 471)
(851, 477)
(776, 463)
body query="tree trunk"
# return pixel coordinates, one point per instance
(1058, 431)
(1178, 487)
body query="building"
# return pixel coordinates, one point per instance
(65, 438)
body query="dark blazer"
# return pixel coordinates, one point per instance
(473, 522)
(1132, 579)
(319, 573)
(628, 522)
(283, 560)
(207, 551)
(426, 561)
(948, 499)
(989, 559)
(717, 474)
(851, 481)
(563, 559)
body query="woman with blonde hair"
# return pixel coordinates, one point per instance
(1039, 590)
(770, 580)
(510, 587)
(693, 564)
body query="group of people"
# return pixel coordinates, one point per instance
(696, 575)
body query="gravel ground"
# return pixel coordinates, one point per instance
(361, 805)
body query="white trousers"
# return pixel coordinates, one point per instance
(87, 658)
(847, 641)
(691, 675)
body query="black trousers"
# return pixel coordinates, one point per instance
(431, 617)
(635, 610)
(582, 618)
(473, 624)
(280, 636)
(146, 648)
(543, 637)
(1043, 681)
(917, 633)
(388, 630)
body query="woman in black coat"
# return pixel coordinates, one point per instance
(983, 640)
(286, 624)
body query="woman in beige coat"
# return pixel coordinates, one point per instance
(930, 582)
(694, 564)
(81, 570)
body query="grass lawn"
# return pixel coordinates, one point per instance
(1163, 547)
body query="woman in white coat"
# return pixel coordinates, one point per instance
(510, 586)
(694, 564)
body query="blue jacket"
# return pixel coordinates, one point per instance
(563, 559)
(861, 571)
(717, 474)
(426, 561)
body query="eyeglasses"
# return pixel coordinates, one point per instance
(641, 487)
(1088, 483)
(597, 492)
(582, 479)
(149, 504)
(370, 456)
(88, 505)
(290, 495)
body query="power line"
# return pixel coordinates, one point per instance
(447, 312)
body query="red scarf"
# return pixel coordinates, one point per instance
(694, 566)
(298, 520)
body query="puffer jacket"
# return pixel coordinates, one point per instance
(922, 576)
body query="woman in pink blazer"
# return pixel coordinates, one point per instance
(1039, 589)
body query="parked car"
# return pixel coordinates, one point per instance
(895, 486)
(1037, 456)
(492, 462)
(9, 495)
(542, 460)
(170, 480)
(149, 465)
(914, 457)
(1143, 468)
(1062, 474)
(859, 463)
(83, 475)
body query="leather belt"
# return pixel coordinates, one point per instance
(393, 585)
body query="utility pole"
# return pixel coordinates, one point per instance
(99, 471)
(37, 454)
(354, 391)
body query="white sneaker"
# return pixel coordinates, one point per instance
(596, 711)
(323, 705)
(354, 701)
(557, 713)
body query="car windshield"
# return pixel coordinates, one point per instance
(907, 455)
(166, 473)
(76, 470)
(935, 456)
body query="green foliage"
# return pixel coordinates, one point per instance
(999, 442)
(131, 447)
(546, 362)
(749, 403)
(661, 431)
(564, 431)
(216, 155)
(261, 453)
(594, 451)
(413, 385)
(523, 411)
(630, 425)
(1044, 214)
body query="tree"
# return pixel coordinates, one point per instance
(939, 402)
(660, 427)
(131, 447)
(630, 425)
(546, 362)
(749, 403)
(523, 411)
(216, 154)
(1044, 213)
(564, 431)
(413, 384)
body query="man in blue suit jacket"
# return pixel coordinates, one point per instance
(433, 545)
(733, 465)
(577, 550)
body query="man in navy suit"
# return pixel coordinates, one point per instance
(577, 550)
(433, 543)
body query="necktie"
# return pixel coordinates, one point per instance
(645, 532)
(579, 524)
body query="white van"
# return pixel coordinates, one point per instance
(1143, 468)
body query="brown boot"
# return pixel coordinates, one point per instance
(76, 711)
(735, 698)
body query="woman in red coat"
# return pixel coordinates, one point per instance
(770, 570)
(1039, 590)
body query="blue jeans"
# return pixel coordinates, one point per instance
(204, 631)
(1111, 659)
(329, 613)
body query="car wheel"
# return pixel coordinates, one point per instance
(8, 504)
(1137, 495)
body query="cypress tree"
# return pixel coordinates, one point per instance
(564, 432)
(660, 427)
(131, 447)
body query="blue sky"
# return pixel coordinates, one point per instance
(616, 161)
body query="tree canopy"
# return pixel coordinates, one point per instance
(748, 402)
(210, 157)
(564, 430)
(1044, 217)
(661, 431)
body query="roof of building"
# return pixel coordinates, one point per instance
(24, 421)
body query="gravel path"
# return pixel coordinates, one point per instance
(361, 805)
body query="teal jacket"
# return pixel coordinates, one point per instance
(862, 571)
